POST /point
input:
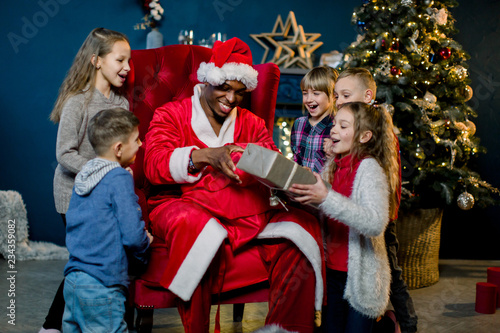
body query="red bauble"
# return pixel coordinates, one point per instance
(445, 53)
(395, 45)
(395, 70)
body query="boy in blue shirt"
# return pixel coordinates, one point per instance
(104, 227)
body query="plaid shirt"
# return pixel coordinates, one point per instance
(307, 142)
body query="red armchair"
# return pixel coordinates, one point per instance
(158, 76)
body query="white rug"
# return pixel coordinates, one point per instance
(14, 233)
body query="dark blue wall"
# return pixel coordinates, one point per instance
(40, 39)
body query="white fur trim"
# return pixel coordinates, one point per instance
(178, 165)
(306, 244)
(198, 259)
(273, 328)
(216, 76)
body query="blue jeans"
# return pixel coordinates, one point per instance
(91, 306)
(339, 316)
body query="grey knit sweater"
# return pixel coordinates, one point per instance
(73, 148)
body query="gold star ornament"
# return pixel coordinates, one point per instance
(292, 46)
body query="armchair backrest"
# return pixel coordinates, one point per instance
(168, 73)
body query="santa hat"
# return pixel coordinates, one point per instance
(231, 60)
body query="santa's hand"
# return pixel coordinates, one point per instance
(219, 159)
(310, 194)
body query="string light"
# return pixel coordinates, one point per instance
(284, 125)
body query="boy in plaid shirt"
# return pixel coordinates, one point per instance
(309, 132)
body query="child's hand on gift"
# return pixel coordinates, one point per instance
(310, 194)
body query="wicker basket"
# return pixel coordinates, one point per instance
(419, 235)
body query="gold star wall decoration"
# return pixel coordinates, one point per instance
(292, 46)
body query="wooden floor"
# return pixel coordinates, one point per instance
(447, 306)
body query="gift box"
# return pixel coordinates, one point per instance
(486, 297)
(493, 276)
(273, 169)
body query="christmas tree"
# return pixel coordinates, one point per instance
(422, 80)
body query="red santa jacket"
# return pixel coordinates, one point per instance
(181, 126)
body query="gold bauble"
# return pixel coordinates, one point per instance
(465, 201)
(467, 93)
(458, 73)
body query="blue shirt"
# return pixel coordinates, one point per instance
(105, 226)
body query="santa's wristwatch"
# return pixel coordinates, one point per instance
(192, 169)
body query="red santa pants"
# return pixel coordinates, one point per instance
(291, 296)
(291, 277)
